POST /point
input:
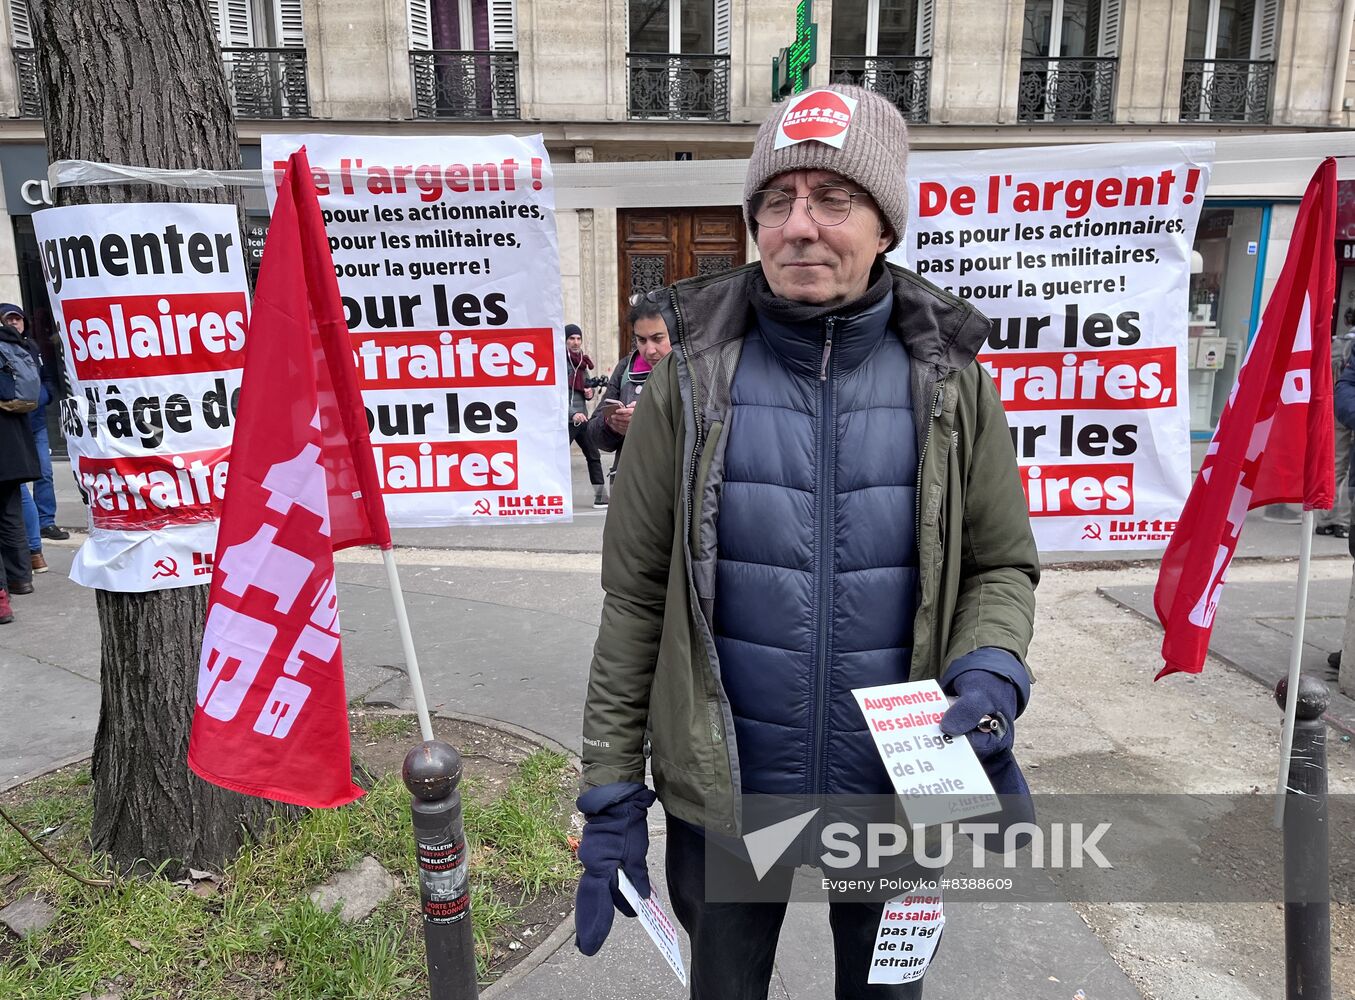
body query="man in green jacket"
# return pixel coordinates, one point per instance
(820, 495)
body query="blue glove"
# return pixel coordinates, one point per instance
(615, 837)
(999, 693)
(979, 693)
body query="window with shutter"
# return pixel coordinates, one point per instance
(235, 24)
(290, 26)
(420, 25)
(1108, 41)
(20, 30)
(926, 16)
(503, 29)
(1267, 32)
(723, 19)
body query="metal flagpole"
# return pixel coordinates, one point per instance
(411, 657)
(1295, 658)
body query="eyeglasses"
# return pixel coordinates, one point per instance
(828, 206)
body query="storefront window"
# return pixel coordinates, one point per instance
(1222, 289)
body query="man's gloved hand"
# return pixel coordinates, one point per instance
(980, 693)
(615, 837)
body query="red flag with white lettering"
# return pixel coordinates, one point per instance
(272, 715)
(1274, 440)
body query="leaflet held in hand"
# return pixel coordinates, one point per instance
(938, 777)
(656, 923)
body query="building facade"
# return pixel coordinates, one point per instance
(671, 81)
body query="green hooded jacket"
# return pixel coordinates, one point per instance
(654, 688)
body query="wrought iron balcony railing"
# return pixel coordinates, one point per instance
(1067, 90)
(1226, 90)
(464, 84)
(678, 87)
(26, 71)
(267, 83)
(905, 81)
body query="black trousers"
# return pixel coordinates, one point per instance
(16, 565)
(734, 944)
(578, 434)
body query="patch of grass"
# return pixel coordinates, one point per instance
(380, 727)
(523, 832)
(259, 936)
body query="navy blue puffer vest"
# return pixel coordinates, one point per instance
(817, 576)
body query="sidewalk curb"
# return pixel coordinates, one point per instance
(24, 779)
(1338, 724)
(538, 956)
(510, 728)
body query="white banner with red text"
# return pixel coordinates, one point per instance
(152, 305)
(1080, 257)
(447, 262)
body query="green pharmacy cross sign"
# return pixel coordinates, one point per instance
(790, 70)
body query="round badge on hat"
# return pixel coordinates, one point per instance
(820, 115)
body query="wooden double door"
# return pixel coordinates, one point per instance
(658, 246)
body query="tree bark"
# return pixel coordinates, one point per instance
(141, 82)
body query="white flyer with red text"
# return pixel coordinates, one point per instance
(152, 305)
(449, 271)
(1080, 258)
(937, 777)
(906, 939)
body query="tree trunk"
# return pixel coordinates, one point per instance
(141, 82)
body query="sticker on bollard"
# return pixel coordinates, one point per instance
(443, 883)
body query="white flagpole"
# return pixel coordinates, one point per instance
(407, 640)
(1295, 658)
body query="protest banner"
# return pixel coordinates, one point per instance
(448, 269)
(1080, 258)
(152, 306)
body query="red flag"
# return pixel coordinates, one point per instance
(1274, 440)
(272, 717)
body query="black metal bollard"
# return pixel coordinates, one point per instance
(1307, 891)
(432, 772)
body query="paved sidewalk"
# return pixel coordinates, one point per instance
(505, 620)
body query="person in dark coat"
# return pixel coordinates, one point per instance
(580, 392)
(611, 417)
(820, 497)
(18, 465)
(39, 500)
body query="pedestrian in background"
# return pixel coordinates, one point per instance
(580, 392)
(39, 500)
(18, 465)
(610, 421)
(1337, 520)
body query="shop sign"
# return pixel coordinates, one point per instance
(790, 69)
(24, 166)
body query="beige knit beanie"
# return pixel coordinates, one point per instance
(870, 147)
